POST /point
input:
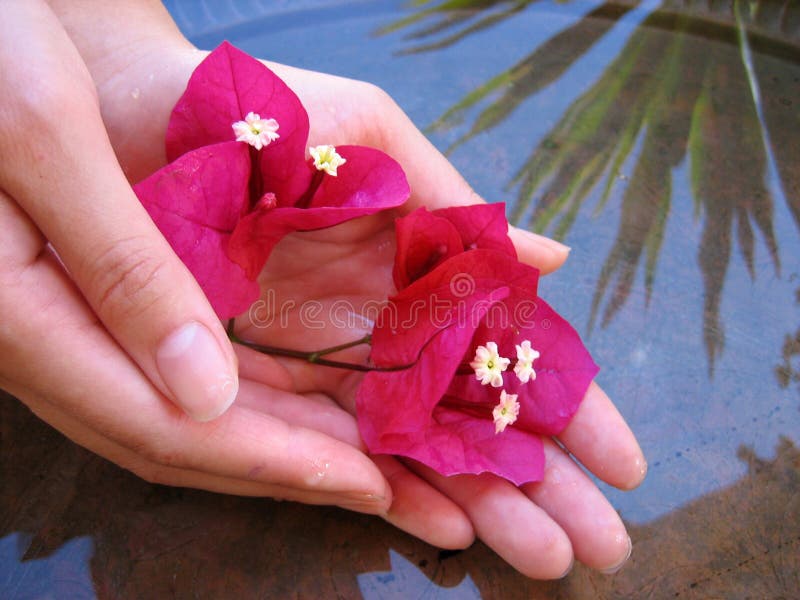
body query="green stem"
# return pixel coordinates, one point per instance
(316, 356)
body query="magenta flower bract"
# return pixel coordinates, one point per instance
(223, 205)
(461, 286)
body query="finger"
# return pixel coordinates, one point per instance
(64, 354)
(311, 411)
(64, 174)
(537, 250)
(416, 508)
(262, 368)
(572, 500)
(507, 521)
(419, 509)
(166, 475)
(599, 437)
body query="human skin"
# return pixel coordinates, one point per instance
(90, 291)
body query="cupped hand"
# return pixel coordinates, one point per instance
(106, 335)
(324, 289)
(537, 528)
(321, 290)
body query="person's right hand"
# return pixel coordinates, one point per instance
(106, 336)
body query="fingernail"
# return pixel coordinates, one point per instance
(641, 472)
(196, 371)
(542, 240)
(620, 564)
(553, 244)
(365, 503)
(569, 568)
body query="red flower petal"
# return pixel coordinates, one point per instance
(236, 216)
(563, 371)
(369, 182)
(424, 240)
(407, 413)
(223, 89)
(481, 226)
(446, 297)
(449, 441)
(514, 454)
(436, 411)
(402, 402)
(196, 202)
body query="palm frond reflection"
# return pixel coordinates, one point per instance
(449, 15)
(683, 87)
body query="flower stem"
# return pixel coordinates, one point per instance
(256, 183)
(316, 180)
(316, 356)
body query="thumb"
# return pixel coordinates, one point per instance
(436, 183)
(59, 166)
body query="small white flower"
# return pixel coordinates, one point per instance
(506, 412)
(489, 365)
(256, 131)
(326, 159)
(525, 357)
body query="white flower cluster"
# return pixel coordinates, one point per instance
(489, 367)
(326, 159)
(256, 131)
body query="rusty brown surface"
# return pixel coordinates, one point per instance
(153, 541)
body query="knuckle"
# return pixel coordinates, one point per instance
(382, 106)
(29, 109)
(152, 473)
(160, 454)
(126, 280)
(380, 114)
(171, 447)
(37, 99)
(472, 197)
(166, 456)
(378, 96)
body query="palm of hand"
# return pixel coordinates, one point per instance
(323, 289)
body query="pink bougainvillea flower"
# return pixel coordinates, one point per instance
(238, 179)
(426, 239)
(459, 265)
